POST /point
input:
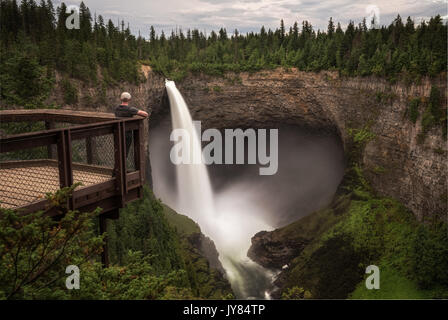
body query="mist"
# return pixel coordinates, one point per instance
(310, 168)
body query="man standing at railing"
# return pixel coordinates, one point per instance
(124, 110)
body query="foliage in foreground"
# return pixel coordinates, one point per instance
(35, 251)
(169, 241)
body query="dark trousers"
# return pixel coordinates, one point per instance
(128, 142)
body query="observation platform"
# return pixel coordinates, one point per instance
(43, 150)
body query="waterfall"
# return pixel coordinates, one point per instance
(193, 183)
(227, 220)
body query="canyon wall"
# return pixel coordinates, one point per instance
(394, 162)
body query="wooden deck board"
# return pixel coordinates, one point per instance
(29, 183)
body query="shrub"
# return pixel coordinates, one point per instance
(413, 109)
(428, 120)
(434, 103)
(35, 249)
(296, 293)
(217, 89)
(70, 92)
(430, 255)
(361, 136)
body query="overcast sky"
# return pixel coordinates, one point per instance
(250, 15)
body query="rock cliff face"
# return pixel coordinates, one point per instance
(394, 163)
(207, 248)
(211, 276)
(273, 252)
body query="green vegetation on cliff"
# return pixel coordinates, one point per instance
(150, 260)
(360, 229)
(433, 114)
(171, 242)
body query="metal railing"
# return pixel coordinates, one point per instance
(103, 153)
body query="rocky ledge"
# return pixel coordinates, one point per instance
(272, 252)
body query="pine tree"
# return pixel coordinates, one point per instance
(85, 22)
(407, 50)
(330, 29)
(222, 34)
(282, 31)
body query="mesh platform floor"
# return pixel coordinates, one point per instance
(24, 182)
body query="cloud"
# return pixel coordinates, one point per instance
(250, 15)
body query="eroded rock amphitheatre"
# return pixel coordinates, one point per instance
(394, 162)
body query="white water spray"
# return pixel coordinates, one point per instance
(195, 192)
(228, 221)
